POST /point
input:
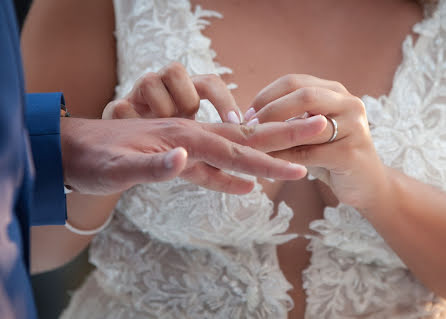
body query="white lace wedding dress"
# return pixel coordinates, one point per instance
(175, 250)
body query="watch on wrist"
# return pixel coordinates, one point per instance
(64, 111)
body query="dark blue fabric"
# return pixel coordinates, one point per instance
(16, 174)
(43, 122)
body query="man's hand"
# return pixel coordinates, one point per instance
(172, 92)
(109, 156)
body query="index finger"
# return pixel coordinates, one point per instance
(212, 88)
(273, 136)
(224, 154)
(290, 83)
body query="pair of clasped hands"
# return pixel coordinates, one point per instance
(156, 137)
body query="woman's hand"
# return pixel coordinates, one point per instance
(355, 172)
(173, 93)
(210, 147)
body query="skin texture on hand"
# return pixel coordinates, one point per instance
(173, 93)
(353, 168)
(109, 156)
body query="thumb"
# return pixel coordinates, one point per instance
(161, 166)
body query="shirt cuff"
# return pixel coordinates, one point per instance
(42, 116)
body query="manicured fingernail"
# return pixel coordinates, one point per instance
(169, 159)
(250, 113)
(233, 118)
(240, 116)
(253, 122)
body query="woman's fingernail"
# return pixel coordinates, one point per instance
(250, 113)
(240, 116)
(253, 122)
(233, 118)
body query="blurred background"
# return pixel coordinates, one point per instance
(52, 290)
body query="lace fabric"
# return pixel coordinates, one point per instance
(175, 250)
(353, 272)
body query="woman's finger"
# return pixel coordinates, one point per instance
(224, 154)
(215, 179)
(287, 84)
(212, 88)
(274, 136)
(181, 88)
(312, 100)
(151, 98)
(119, 109)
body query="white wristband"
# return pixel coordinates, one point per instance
(89, 232)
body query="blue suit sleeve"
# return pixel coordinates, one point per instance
(42, 115)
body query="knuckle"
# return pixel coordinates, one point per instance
(307, 95)
(338, 86)
(113, 167)
(173, 71)
(247, 133)
(150, 80)
(357, 105)
(291, 82)
(181, 124)
(121, 109)
(175, 129)
(236, 153)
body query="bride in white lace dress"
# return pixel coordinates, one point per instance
(175, 250)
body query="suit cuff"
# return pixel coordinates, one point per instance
(42, 117)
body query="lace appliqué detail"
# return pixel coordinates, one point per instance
(184, 214)
(143, 276)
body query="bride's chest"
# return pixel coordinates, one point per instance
(262, 42)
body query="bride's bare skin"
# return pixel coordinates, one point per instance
(341, 40)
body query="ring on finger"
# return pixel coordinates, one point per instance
(335, 129)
